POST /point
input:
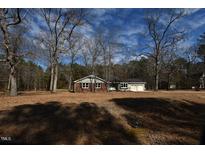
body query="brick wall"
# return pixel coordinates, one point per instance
(91, 88)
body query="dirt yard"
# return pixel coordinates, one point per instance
(164, 117)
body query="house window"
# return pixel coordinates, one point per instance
(123, 85)
(85, 85)
(98, 85)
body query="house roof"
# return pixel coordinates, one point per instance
(90, 77)
(132, 80)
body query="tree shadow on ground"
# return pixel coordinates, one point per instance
(56, 123)
(167, 121)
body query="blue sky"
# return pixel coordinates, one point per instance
(130, 24)
(127, 25)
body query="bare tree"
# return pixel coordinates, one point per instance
(74, 46)
(85, 56)
(169, 65)
(93, 50)
(190, 54)
(163, 34)
(91, 53)
(108, 46)
(201, 47)
(10, 19)
(58, 24)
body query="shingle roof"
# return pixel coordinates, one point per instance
(128, 80)
(134, 80)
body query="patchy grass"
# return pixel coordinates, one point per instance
(175, 117)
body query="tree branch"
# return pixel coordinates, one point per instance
(18, 19)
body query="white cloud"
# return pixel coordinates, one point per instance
(99, 12)
(191, 10)
(86, 30)
(196, 23)
(133, 30)
(193, 21)
(119, 58)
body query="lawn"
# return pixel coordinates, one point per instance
(164, 117)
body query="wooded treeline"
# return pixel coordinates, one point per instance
(58, 52)
(33, 77)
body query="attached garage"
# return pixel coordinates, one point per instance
(136, 86)
(131, 85)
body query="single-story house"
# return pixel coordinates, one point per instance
(127, 85)
(90, 83)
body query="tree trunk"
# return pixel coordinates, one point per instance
(157, 76)
(51, 80)
(11, 57)
(91, 85)
(95, 84)
(9, 83)
(70, 83)
(71, 76)
(157, 82)
(35, 84)
(55, 78)
(168, 81)
(13, 84)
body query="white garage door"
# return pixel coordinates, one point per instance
(136, 87)
(140, 88)
(133, 88)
